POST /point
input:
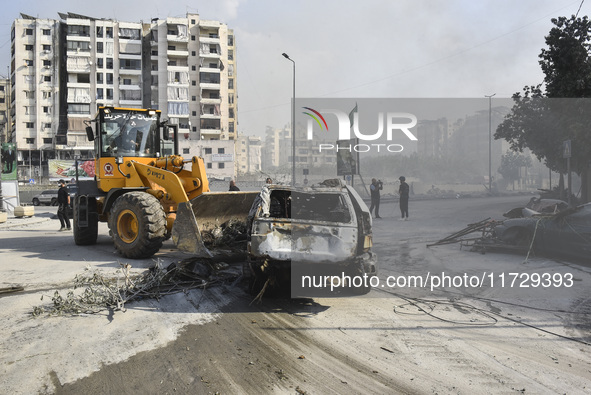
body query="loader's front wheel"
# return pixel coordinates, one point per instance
(138, 225)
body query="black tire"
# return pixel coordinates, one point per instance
(88, 235)
(138, 225)
(53, 202)
(35, 202)
(365, 287)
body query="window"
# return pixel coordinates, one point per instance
(29, 94)
(46, 32)
(46, 78)
(47, 125)
(194, 68)
(193, 98)
(109, 32)
(99, 78)
(194, 113)
(28, 47)
(130, 64)
(99, 63)
(47, 63)
(192, 21)
(231, 127)
(46, 47)
(126, 81)
(78, 30)
(78, 108)
(230, 41)
(221, 165)
(209, 165)
(194, 128)
(230, 113)
(83, 78)
(99, 31)
(99, 47)
(2, 100)
(109, 94)
(28, 62)
(221, 150)
(110, 78)
(231, 98)
(30, 125)
(30, 140)
(110, 63)
(230, 54)
(171, 47)
(193, 38)
(208, 151)
(47, 140)
(154, 52)
(82, 46)
(46, 110)
(99, 93)
(194, 83)
(29, 32)
(231, 83)
(186, 151)
(193, 53)
(213, 48)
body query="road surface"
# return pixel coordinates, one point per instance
(398, 339)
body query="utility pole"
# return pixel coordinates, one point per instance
(490, 141)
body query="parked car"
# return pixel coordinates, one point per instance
(324, 229)
(564, 234)
(48, 197)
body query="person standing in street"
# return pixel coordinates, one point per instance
(63, 200)
(403, 191)
(233, 186)
(375, 188)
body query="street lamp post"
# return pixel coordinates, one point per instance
(293, 139)
(490, 141)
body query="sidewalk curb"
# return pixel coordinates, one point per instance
(14, 222)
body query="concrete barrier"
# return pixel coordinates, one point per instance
(24, 211)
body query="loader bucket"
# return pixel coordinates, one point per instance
(205, 213)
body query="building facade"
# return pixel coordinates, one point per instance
(63, 70)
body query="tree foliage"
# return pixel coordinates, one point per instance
(543, 120)
(511, 162)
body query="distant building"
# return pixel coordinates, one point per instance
(249, 155)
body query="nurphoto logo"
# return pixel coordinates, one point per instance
(392, 123)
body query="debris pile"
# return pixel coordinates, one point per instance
(231, 234)
(93, 292)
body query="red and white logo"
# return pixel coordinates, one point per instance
(108, 167)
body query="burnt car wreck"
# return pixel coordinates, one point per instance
(323, 229)
(557, 231)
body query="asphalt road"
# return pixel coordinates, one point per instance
(398, 339)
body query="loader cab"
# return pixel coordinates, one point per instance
(122, 132)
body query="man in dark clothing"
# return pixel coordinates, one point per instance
(63, 200)
(375, 188)
(403, 191)
(233, 186)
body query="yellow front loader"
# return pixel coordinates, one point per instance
(145, 191)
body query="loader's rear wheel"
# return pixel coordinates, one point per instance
(138, 225)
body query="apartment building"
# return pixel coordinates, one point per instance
(249, 155)
(4, 106)
(63, 70)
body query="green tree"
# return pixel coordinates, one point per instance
(542, 120)
(511, 162)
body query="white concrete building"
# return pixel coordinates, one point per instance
(249, 155)
(63, 70)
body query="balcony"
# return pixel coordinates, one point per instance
(208, 39)
(208, 100)
(209, 70)
(177, 39)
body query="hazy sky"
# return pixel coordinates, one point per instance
(353, 49)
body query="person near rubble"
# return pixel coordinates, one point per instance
(233, 186)
(268, 180)
(63, 201)
(403, 191)
(375, 188)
